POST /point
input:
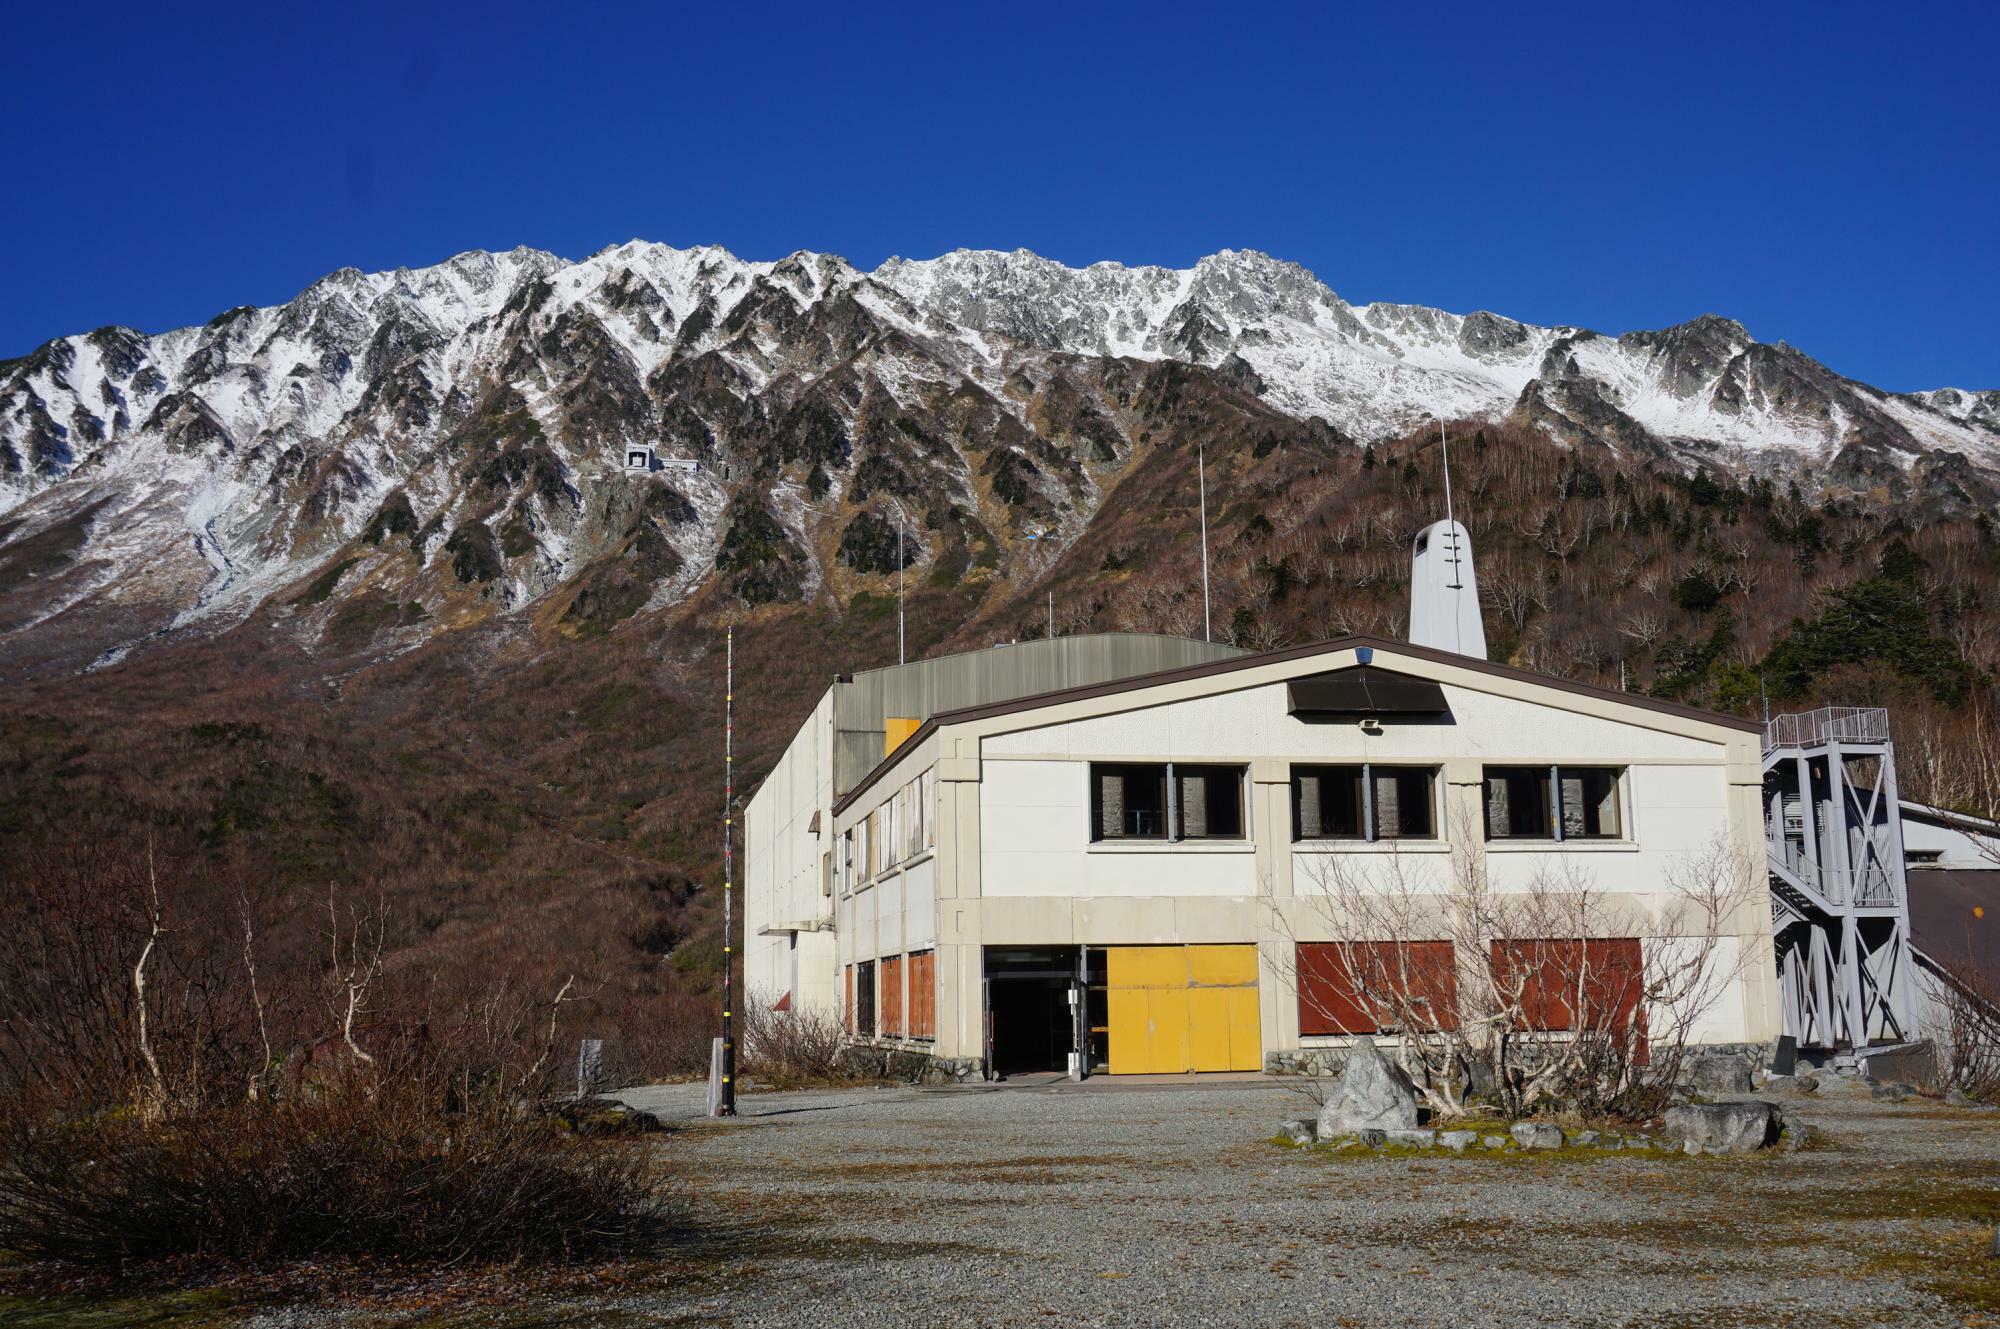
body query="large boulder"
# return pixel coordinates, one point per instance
(1374, 1094)
(1720, 1073)
(1725, 1128)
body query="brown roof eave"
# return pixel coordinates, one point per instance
(1218, 667)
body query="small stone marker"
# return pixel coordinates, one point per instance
(1298, 1132)
(1374, 1094)
(715, 1078)
(589, 1066)
(1458, 1141)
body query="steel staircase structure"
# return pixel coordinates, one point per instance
(1839, 900)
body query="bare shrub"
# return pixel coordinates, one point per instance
(1548, 995)
(144, 1115)
(1965, 1030)
(791, 1047)
(401, 1170)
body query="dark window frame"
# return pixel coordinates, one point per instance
(1169, 803)
(1555, 821)
(1368, 820)
(865, 1023)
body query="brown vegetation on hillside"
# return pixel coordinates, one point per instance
(528, 802)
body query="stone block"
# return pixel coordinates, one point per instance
(1374, 1094)
(1719, 1074)
(1536, 1135)
(1725, 1128)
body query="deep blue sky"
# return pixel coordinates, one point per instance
(1827, 174)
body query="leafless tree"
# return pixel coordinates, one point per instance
(1559, 994)
(1642, 627)
(355, 963)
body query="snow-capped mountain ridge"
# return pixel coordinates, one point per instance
(1369, 370)
(473, 414)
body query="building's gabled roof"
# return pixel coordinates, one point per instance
(1960, 821)
(1220, 668)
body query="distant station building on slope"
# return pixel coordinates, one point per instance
(1100, 854)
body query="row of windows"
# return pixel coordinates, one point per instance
(896, 832)
(895, 997)
(1174, 801)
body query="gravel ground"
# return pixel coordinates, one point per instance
(1102, 1205)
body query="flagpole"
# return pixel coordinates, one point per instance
(1201, 477)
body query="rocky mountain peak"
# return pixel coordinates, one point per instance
(456, 435)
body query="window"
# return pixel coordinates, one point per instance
(927, 798)
(1365, 802)
(848, 993)
(864, 999)
(1208, 802)
(847, 859)
(1553, 803)
(1166, 801)
(826, 873)
(1130, 802)
(1588, 798)
(1366, 987)
(872, 839)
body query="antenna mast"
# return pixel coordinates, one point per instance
(1457, 582)
(1201, 477)
(1444, 444)
(899, 587)
(727, 1106)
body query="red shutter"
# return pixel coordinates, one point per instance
(892, 997)
(923, 994)
(1360, 987)
(1604, 975)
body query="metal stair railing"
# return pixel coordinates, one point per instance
(1828, 724)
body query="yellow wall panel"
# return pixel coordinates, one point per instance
(1169, 1054)
(1127, 1019)
(1222, 966)
(896, 731)
(1246, 1036)
(1171, 1009)
(1208, 1029)
(1146, 967)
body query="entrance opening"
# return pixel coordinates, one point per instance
(1032, 1023)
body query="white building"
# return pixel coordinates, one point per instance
(1123, 872)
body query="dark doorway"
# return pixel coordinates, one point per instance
(1028, 1003)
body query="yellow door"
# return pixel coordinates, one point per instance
(1172, 1009)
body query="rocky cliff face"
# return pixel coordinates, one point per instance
(394, 453)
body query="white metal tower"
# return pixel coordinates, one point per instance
(1839, 901)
